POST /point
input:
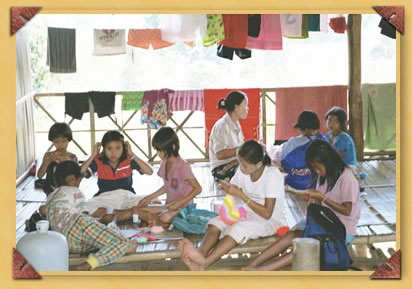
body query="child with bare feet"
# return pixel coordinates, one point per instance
(336, 188)
(67, 214)
(116, 199)
(180, 185)
(261, 189)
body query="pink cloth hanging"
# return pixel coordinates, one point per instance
(186, 100)
(290, 102)
(270, 35)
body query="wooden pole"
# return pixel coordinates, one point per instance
(355, 96)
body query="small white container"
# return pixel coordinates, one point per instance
(136, 218)
(306, 254)
(45, 250)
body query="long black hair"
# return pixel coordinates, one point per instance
(57, 174)
(232, 99)
(253, 152)
(323, 152)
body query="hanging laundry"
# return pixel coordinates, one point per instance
(76, 104)
(291, 24)
(338, 23)
(324, 23)
(109, 41)
(142, 38)
(61, 50)
(180, 100)
(227, 52)
(305, 25)
(250, 125)
(215, 30)
(379, 115)
(290, 102)
(253, 25)
(236, 29)
(155, 111)
(132, 100)
(314, 22)
(270, 37)
(103, 102)
(182, 27)
(387, 28)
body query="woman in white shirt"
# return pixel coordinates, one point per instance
(226, 135)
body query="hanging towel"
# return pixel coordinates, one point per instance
(250, 125)
(313, 22)
(75, 104)
(253, 25)
(103, 102)
(270, 36)
(155, 111)
(215, 30)
(132, 100)
(290, 102)
(142, 38)
(291, 24)
(109, 41)
(182, 27)
(338, 24)
(236, 29)
(379, 116)
(61, 50)
(387, 28)
(186, 100)
(324, 23)
(305, 25)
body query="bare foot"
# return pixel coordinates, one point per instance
(132, 246)
(189, 264)
(83, 267)
(250, 268)
(192, 258)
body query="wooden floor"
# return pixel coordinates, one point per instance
(377, 222)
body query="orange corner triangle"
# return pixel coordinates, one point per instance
(22, 269)
(391, 269)
(20, 16)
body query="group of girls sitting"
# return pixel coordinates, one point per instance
(256, 184)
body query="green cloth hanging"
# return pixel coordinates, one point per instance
(313, 22)
(305, 25)
(132, 100)
(379, 116)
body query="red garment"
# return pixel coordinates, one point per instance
(338, 24)
(290, 102)
(236, 30)
(250, 125)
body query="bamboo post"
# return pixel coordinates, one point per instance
(355, 96)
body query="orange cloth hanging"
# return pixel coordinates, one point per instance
(250, 125)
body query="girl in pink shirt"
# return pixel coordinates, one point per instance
(337, 188)
(180, 185)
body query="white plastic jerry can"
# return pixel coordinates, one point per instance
(45, 250)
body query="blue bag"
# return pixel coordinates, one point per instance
(323, 224)
(193, 221)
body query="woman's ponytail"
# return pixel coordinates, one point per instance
(221, 104)
(267, 161)
(50, 184)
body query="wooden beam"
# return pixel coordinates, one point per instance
(355, 96)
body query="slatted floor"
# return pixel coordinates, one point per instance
(377, 223)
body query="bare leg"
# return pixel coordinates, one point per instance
(282, 262)
(195, 257)
(273, 250)
(210, 240)
(83, 267)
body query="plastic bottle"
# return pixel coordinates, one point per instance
(45, 250)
